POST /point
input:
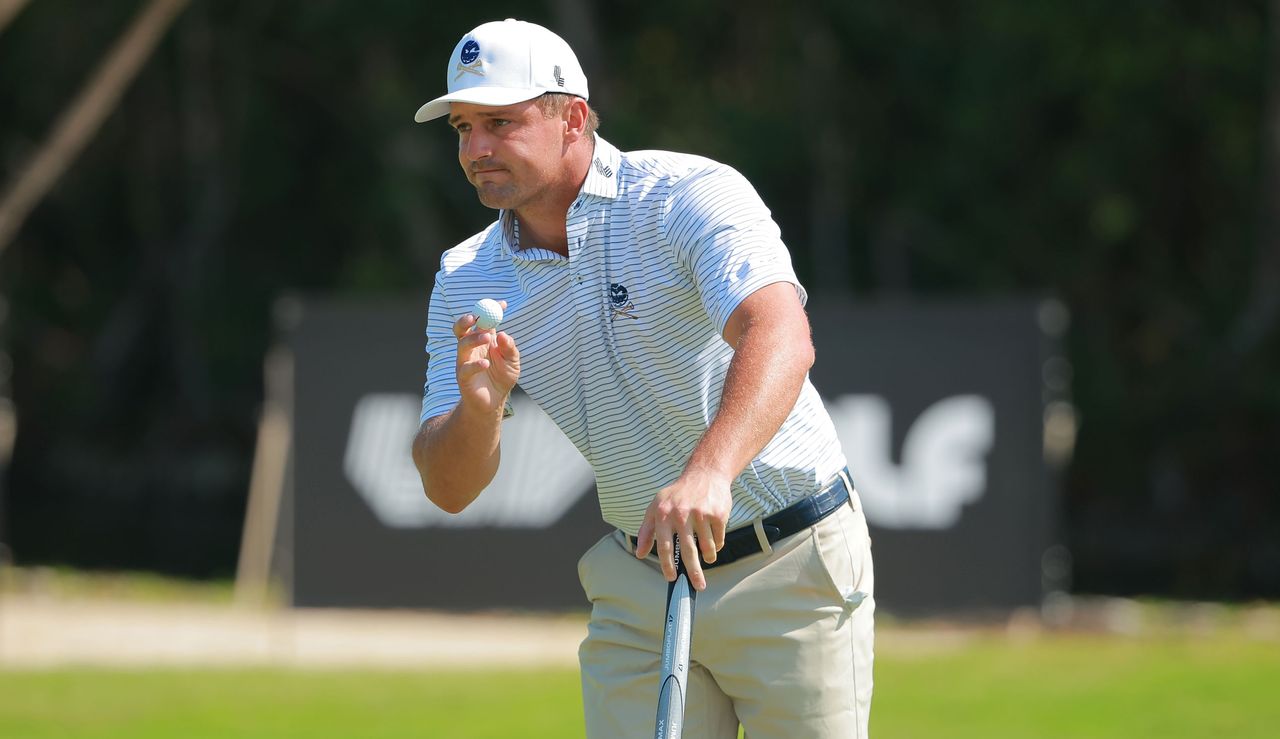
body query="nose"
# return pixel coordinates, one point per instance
(475, 146)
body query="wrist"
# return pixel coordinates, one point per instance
(708, 471)
(479, 411)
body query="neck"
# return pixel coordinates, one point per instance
(543, 224)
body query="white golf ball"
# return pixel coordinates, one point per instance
(488, 313)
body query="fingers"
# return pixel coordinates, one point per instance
(467, 370)
(463, 325)
(692, 565)
(696, 510)
(506, 344)
(464, 331)
(644, 538)
(656, 529)
(709, 542)
(688, 557)
(504, 350)
(667, 557)
(473, 348)
(718, 531)
(474, 343)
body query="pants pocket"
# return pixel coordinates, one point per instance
(588, 563)
(845, 551)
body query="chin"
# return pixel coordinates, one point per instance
(496, 198)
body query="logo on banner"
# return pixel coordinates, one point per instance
(541, 475)
(944, 458)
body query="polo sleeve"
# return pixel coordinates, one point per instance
(440, 391)
(724, 235)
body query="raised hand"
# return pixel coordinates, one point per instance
(488, 364)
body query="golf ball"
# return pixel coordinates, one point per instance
(488, 313)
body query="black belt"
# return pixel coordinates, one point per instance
(743, 542)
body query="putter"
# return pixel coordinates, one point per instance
(676, 637)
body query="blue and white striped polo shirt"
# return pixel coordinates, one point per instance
(620, 343)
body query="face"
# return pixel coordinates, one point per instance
(510, 154)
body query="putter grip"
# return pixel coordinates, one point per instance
(676, 636)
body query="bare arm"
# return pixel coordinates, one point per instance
(773, 352)
(457, 453)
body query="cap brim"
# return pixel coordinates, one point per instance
(476, 96)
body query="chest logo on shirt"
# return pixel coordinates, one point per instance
(620, 301)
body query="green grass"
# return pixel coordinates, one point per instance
(139, 587)
(282, 704)
(992, 687)
(1092, 687)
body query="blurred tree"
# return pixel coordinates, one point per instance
(1120, 155)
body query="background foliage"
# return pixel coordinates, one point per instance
(1117, 155)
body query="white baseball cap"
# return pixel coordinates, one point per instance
(507, 62)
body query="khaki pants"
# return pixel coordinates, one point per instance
(782, 640)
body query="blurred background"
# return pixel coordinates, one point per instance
(1119, 156)
(176, 173)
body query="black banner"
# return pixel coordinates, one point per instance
(940, 409)
(941, 412)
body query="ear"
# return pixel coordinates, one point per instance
(575, 119)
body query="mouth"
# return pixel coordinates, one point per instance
(486, 174)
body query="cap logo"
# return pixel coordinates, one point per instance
(470, 56)
(470, 52)
(556, 73)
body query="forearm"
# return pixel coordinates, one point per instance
(764, 379)
(457, 455)
(769, 333)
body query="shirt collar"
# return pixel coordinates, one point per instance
(504, 235)
(602, 175)
(601, 181)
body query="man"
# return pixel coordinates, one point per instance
(652, 312)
